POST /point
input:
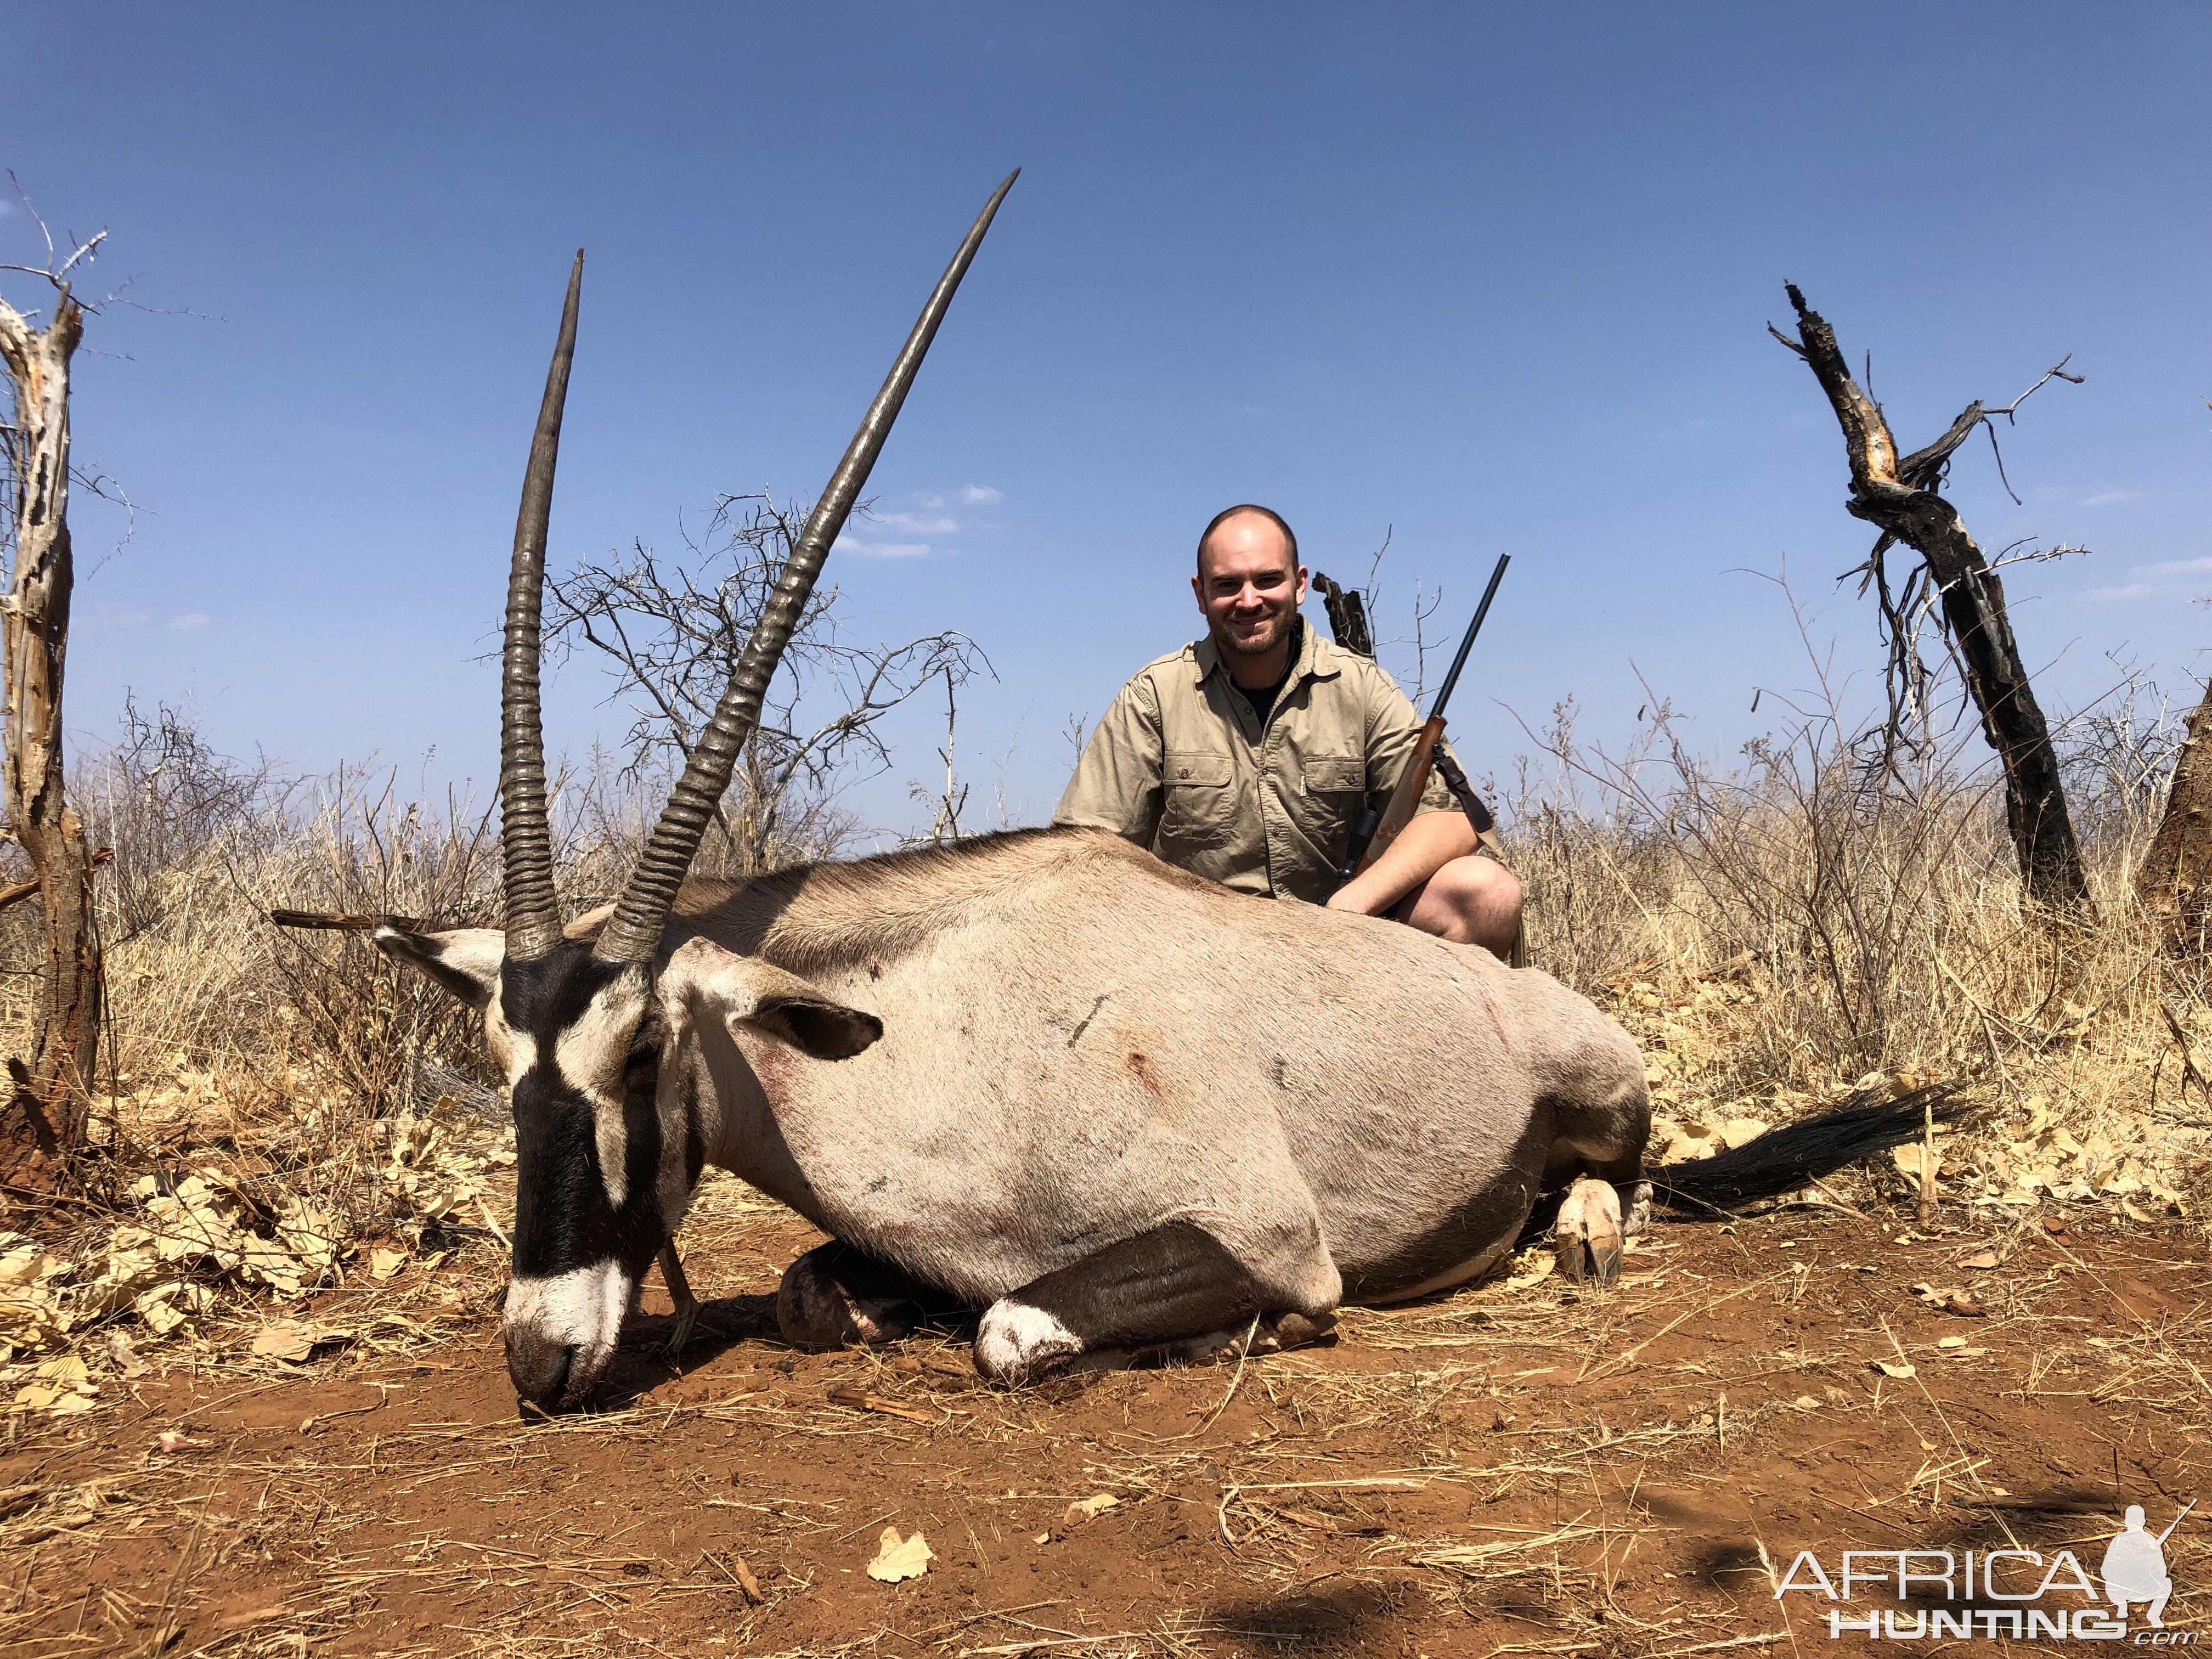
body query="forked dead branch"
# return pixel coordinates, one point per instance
(1901, 495)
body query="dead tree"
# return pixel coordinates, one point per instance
(673, 632)
(1347, 615)
(44, 1116)
(2175, 881)
(1901, 497)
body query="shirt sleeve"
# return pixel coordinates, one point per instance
(1116, 784)
(1392, 731)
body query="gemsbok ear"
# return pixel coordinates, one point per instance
(708, 982)
(466, 961)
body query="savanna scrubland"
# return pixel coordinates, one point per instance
(258, 1404)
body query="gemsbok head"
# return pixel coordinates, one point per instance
(592, 1035)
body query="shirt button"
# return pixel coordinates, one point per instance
(1183, 773)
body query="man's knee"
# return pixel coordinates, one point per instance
(1473, 900)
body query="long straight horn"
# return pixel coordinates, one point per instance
(533, 913)
(633, 931)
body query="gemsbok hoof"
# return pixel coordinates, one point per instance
(1586, 1239)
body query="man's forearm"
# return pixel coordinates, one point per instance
(1423, 847)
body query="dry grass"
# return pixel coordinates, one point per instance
(275, 1105)
(1810, 921)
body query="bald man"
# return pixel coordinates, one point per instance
(1247, 756)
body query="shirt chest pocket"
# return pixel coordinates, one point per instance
(1198, 795)
(1195, 771)
(1334, 774)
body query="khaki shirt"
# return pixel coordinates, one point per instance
(1179, 766)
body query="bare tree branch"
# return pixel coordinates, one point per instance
(673, 631)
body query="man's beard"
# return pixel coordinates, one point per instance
(1256, 646)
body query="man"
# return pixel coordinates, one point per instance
(1247, 756)
(2134, 1569)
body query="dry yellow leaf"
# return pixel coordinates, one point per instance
(898, 1558)
(1908, 1158)
(1084, 1508)
(284, 1339)
(1539, 1269)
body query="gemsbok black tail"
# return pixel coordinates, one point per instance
(1782, 1160)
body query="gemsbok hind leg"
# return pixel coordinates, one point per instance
(1174, 1293)
(837, 1297)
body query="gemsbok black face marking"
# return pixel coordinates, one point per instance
(609, 1142)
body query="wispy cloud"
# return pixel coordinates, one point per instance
(917, 523)
(2172, 568)
(982, 496)
(2168, 577)
(2112, 498)
(190, 623)
(883, 549)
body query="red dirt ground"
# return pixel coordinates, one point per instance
(1601, 1470)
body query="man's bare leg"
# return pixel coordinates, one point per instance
(1473, 900)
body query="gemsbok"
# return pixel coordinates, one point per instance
(1122, 1110)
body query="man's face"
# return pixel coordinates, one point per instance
(1249, 585)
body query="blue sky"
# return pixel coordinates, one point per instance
(1492, 278)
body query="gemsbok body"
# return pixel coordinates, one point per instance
(1120, 1108)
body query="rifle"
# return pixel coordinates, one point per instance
(2178, 1519)
(1373, 832)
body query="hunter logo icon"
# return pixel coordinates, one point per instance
(2135, 1566)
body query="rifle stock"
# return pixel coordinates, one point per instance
(1406, 798)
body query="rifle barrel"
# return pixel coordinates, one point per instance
(1444, 691)
(2176, 1521)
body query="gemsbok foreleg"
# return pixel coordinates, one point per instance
(1174, 1293)
(685, 1305)
(837, 1297)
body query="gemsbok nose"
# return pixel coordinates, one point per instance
(538, 1367)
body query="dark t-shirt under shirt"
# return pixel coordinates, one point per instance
(1263, 699)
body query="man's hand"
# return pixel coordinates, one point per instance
(1425, 846)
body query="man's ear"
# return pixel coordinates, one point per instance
(708, 982)
(465, 961)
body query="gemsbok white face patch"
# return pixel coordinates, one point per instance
(590, 1056)
(515, 1050)
(581, 1308)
